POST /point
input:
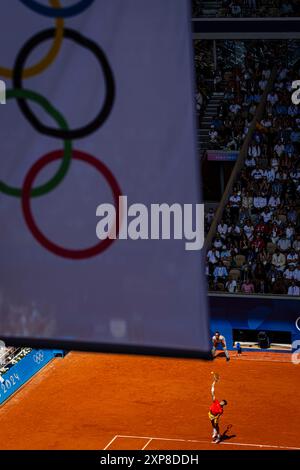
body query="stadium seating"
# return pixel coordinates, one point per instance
(245, 8)
(10, 356)
(258, 239)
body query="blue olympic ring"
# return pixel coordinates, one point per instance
(65, 12)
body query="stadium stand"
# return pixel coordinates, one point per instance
(245, 8)
(257, 240)
(232, 91)
(10, 356)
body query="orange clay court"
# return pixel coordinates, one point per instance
(101, 401)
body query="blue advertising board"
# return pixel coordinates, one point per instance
(21, 372)
(256, 312)
(222, 155)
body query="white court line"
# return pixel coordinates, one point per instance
(259, 360)
(146, 445)
(261, 446)
(110, 442)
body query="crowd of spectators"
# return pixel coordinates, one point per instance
(10, 356)
(243, 85)
(257, 245)
(204, 67)
(250, 8)
(209, 216)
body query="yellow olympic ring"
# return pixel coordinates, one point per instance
(51, 55)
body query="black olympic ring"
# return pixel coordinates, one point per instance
(69, 134)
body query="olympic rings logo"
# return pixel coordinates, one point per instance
(22, 95)
(38, 357)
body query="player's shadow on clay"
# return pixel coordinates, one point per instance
(220, 354)
(225, 436)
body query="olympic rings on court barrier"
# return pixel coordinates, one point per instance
(108, 77)
(50, 56)
(65, 12)
(26, 206)
(67, 154)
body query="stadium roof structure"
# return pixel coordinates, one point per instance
(246, 28)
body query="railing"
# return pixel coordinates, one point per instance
(11, 356)
(5, 354)
(265, 9)
(254, 296)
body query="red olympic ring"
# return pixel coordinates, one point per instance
(26, 204)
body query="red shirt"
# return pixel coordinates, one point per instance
(261, 227)
(258, 243)
(216, 408)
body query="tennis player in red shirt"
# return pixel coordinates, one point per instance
(215, 412)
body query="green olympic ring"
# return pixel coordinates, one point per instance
(66, 160)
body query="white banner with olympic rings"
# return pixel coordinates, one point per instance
(99, 104)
